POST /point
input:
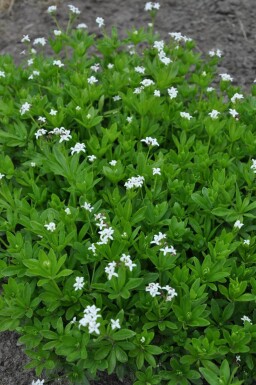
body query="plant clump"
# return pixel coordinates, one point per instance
(127, 209)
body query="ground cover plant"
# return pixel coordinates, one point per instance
(127, 209)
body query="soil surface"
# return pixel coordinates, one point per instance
(225, 24)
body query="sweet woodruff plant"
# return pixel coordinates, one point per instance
(127, 208)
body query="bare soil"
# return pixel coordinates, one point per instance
(225, 24)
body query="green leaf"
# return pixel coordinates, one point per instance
(123, 334)
(210, 376)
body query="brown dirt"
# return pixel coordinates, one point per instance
(225, 24)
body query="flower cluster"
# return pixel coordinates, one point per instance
(215, 52)
(79, 147)
(110, 268)
(50, 226)
(158, 238)
(134, 182)
(154, 290)
(177, 36)
(74, 9)
(79, 284)
(25, 108)
(105, 231)
(87, 207)
(38, 382)
(150, 141)
(159, 45)
(90, 319)
(253, 166)
(149, 6)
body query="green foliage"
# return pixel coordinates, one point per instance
(127, 211)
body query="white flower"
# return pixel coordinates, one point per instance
(170, 250)
(78, 108)
(50, 226)
(236, 96)
(57, 32)
(94, 328)
(67, 211)
(92, 80)
(127, 261)
(247, 242)
(53, 112)
(95, 67)
(245, 318)
(73, 320)
(25, 39)
(115, 324)
(157, 93)
(58, 63)
(149, 6)
(91, 158)
(41, 119)
(90, 319)
(38, 382)
(233, 112)
(40, 41)
(2, 176)
(79, 284)
(253, 166)
(226, 77)
(113, 162)
(158, 238)
(238, 224)
(215, 52)
(140, 70)
(134, 182)
(92, 248)
(105, 235)
(138, 90)
(52, 9)
(150, 141)
(129, 119)
(210, 89)
(156, 171)
(79, 147)
(142, 340)
(238, 358)
(163, 58)
(173, 92)
(153, 289)
(33, 164)
(88, 207)
(110, 66)
(25, 108)
(100, 22)
(34, 73)
(40, 132)
(159, 45)
(147, 82)
(82, 26)
(74, 10)
(30, 62)
(116, 98)
(186, 115)
(214, 114)
(177, 36)
(110, 270)
(2, 74)
(171, 293)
